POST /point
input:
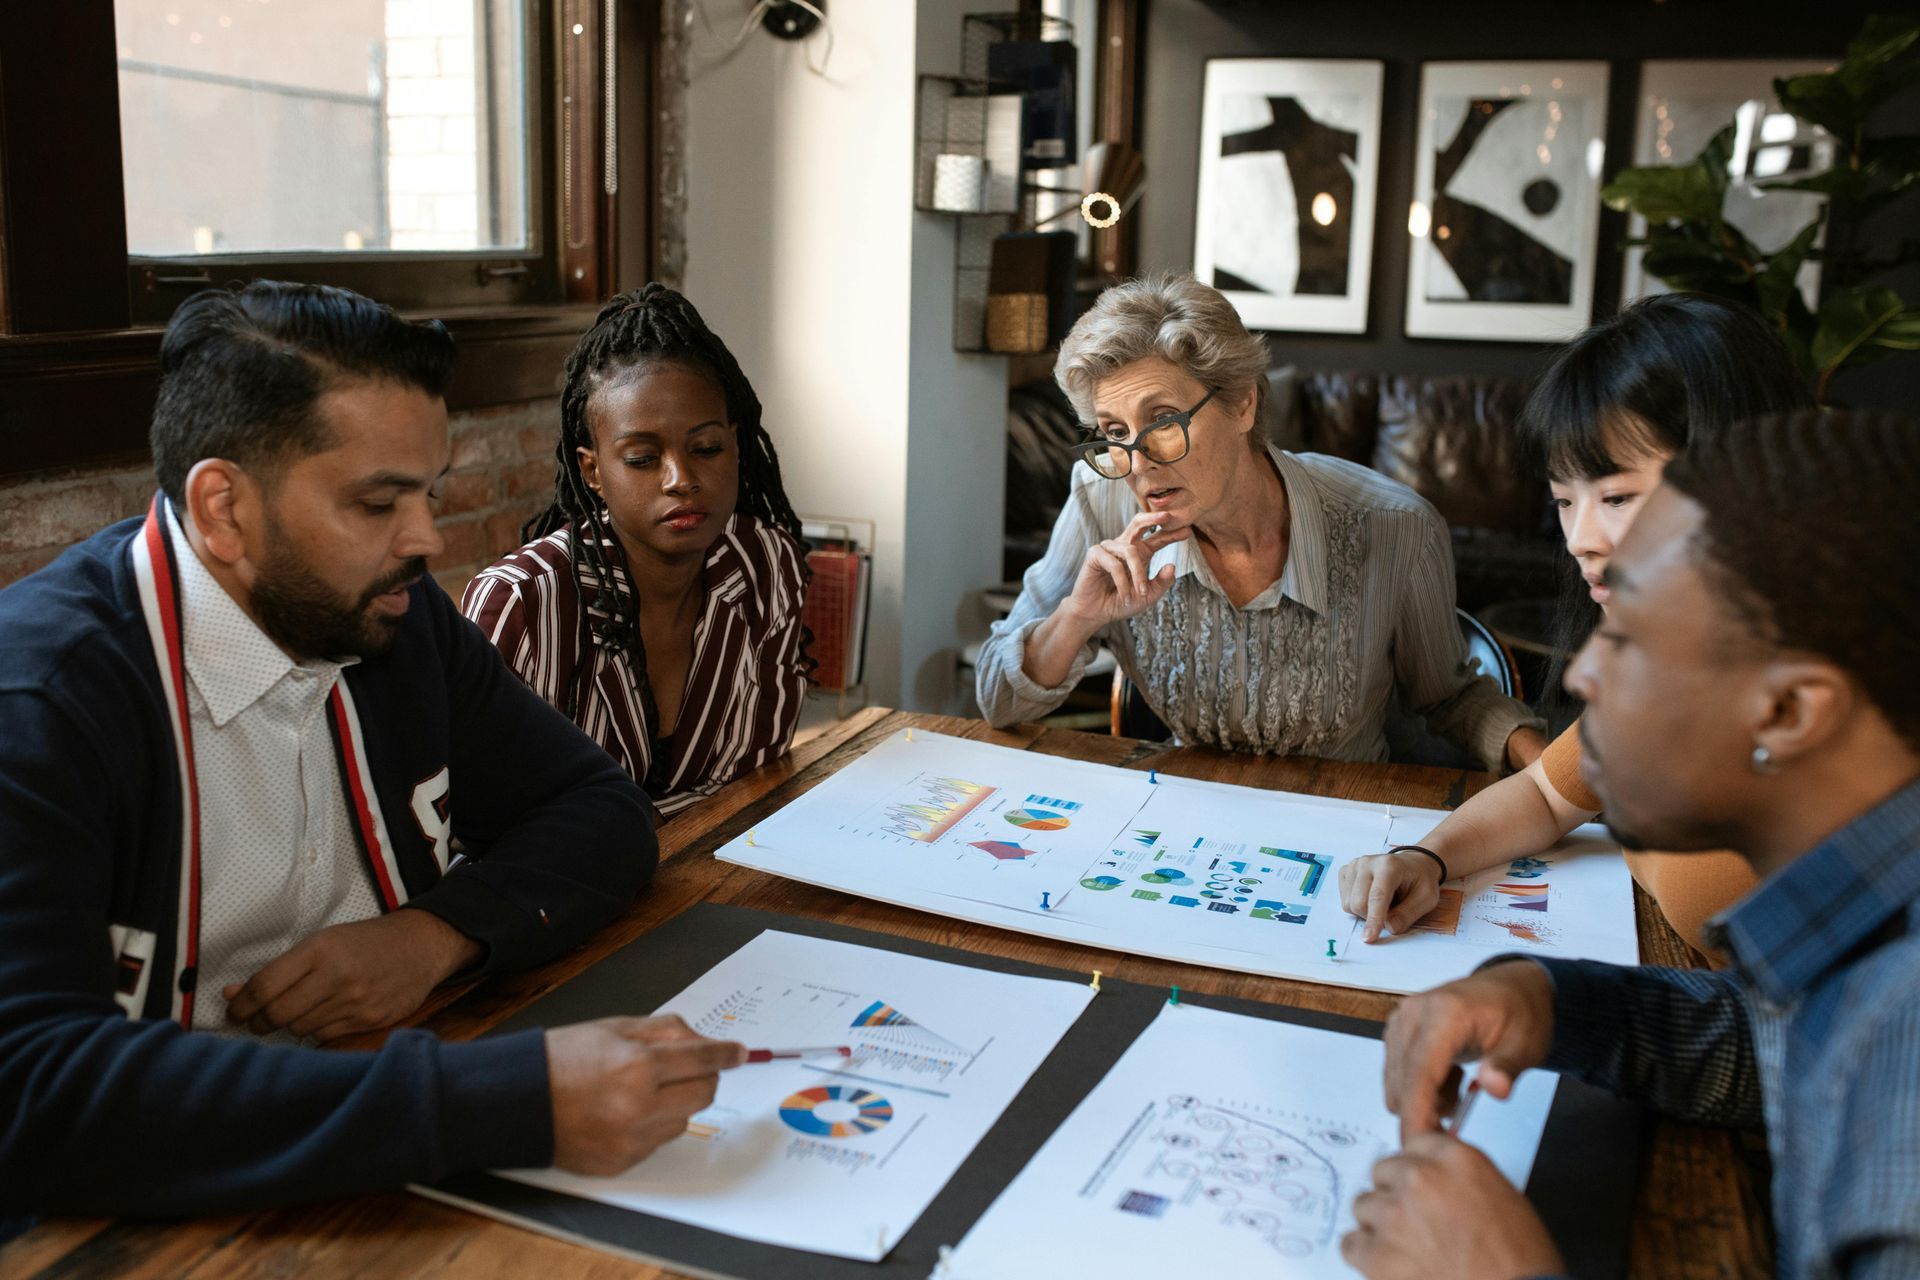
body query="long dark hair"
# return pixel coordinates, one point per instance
(648, 326)
(1642, 382)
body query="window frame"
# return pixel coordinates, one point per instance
(80, 323)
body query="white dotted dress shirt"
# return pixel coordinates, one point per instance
(278, 857)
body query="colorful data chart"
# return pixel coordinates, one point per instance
(835, 1111)
(1526, 896)
(1048, 802)
(1003, 850)
(1145, 838)
(936, 803)
(1445, 918)
(1301, 873)
(1100, 884)
(881, 1014)
(1167, 875)
(1038, 819)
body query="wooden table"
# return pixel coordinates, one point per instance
(1699, 1214)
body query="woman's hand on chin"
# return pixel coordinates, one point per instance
(1116, 581)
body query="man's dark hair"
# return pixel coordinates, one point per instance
(1811, 520)
(240, 370)
(1643, 381)
(652, 325)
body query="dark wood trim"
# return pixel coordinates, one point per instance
(63, 233)
(1121, 32)
(638, 50)
(85, 399)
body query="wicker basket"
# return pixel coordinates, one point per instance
(1017, 323)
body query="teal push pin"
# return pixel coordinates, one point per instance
(1174, 998)
(1331, 953)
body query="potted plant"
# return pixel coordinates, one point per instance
(1691, 245)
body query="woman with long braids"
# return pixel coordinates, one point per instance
(657, 600)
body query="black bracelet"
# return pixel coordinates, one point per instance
(1438, 861)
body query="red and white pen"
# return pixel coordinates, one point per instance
(769, 1055)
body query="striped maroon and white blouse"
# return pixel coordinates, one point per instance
(748, 676)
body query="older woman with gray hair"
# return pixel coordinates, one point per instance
(1260, 600)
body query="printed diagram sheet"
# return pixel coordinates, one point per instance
(831, 1154)
(1219, 1145)
(1202, 872)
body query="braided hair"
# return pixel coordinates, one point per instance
(653, 325)
(1809, 529)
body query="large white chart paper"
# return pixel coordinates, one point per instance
(1219, 1145)
(838, 1155)
(1202, 872)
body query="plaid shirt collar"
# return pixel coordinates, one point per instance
(1812, 914)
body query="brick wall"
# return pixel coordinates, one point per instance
(502, 473)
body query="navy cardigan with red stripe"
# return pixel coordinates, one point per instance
(103, 1113)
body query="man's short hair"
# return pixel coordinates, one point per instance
(1811, 520)
(241, 369)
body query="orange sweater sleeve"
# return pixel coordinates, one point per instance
(1561, 760)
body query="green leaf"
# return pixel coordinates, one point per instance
(1847, 185)
(1849, 321)
(1882, 38)
(1823, 98)
(1902, 333)
(1778, 278)
(1687, 263)
(1665, 193)
(1716, 162)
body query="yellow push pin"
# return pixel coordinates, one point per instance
(750, 843)
(1095, 984)
(909, 733)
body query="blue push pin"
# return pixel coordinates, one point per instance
(1044, 904)
(1152, 776)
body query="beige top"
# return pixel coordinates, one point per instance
(1364, 604)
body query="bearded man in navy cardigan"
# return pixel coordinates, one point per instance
(260, 782)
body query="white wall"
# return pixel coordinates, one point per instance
(806, 256)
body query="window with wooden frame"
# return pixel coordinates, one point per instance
(455, 158)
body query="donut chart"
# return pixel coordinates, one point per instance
(835, 1111)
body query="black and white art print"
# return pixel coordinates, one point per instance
(1289, 166)
(1506, 203)
(1684, 102)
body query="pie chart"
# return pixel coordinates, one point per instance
(835, 1111)
(1037, 819)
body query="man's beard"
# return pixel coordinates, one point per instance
(306, 618)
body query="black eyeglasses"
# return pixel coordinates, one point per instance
(1163, 440)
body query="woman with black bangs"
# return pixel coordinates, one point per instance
(1613, 407)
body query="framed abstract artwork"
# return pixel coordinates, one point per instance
(1505, 218)
(1683, 103)
(1289, 170)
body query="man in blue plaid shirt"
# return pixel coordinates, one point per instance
(1756, 686)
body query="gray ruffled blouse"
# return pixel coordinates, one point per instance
(1364, 604)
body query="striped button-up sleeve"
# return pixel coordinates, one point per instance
(1006, 692)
